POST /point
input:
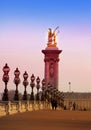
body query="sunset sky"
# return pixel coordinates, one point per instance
(23, 34)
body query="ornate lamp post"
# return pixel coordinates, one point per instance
(25, 83)
(69, 87)
(16, 81)
(43, 89)
(52, 92)
(32, 84)
(48, 92)
(5, 79)
(62, 99)
(69, 94)
(37, 86)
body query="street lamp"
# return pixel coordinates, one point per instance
(16, 81)
(5, 79)
(25, 83)
(37, 86)
(62, 99)
(70, 103)
(69, 87)
(32, 84)
(43, 90)
(48, 92)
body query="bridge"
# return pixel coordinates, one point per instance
(47, 119)
(37, 113)
(41, 100)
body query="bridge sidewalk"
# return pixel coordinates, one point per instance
(47, 120)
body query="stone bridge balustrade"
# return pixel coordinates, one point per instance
(80, 104)
(9, 108)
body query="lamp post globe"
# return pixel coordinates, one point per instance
(16, 81)
(32, 84)
(6, 69)
(25, 75)
(32, 78)
(25, 83)
(5, 79)
(17, 72)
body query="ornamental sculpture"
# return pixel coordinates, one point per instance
(52, 37)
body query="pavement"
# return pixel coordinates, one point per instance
(47, 120)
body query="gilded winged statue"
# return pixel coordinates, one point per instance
(52, 37)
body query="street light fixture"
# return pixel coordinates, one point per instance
(69, 86)
(43, 90)
(48, 92)
(37, 86)
(16, 81)
(5, 79)
(25, 83)
(32, 84)
(70, 95)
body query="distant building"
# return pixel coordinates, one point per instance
(77, 95)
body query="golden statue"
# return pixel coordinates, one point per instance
(52, 38)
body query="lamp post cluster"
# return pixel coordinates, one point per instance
(54, 94)
(48, 92)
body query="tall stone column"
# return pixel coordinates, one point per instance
(51, 59)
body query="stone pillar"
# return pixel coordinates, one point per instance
(51, 65)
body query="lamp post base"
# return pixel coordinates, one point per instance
(5, 95)
(25, 95)
(16, 96)
(37, 97)
(32, 96)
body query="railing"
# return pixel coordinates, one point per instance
(8, 107)
(80, 104)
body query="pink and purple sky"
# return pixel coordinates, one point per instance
(23, 34)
